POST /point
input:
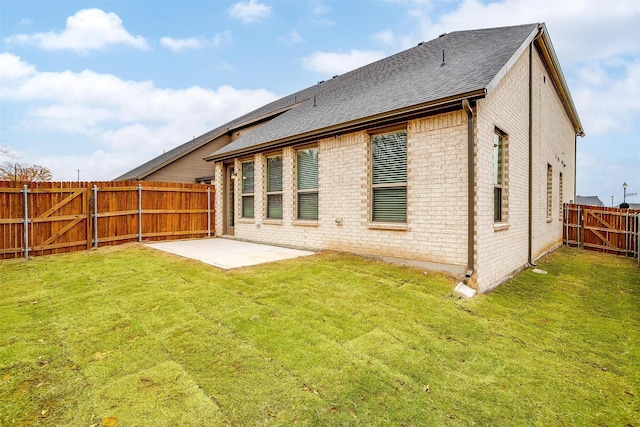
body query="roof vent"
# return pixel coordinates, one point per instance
(442, 35)
(335, 76)
(443, 63)
(421, 43)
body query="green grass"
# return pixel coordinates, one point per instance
(136, 337)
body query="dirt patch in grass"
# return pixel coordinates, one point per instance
(132, 336)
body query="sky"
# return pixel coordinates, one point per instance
(92, 89)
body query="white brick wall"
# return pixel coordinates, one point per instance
(503, 249)
(554, 143)
(437, 225)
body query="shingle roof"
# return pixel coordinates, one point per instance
(635, 206)
(589, 200)
(181, 150)
(412, 77)
(474, 61)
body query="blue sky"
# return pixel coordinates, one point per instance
(103, 86)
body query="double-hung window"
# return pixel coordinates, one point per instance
(549, 191)
(389, 177)
(274, 187)
(307, 183)
(247, 189)
(560, 197)
(498, 176)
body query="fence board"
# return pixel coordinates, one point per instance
(610, 230)
(71, 216)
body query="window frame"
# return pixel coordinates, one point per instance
(560, 196)
(271, 193)
(247, 195)
(549, 192)
(499, 176)
(301, 193)
(373, 186)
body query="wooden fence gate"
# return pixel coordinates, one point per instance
(610, 230)
(48, 218)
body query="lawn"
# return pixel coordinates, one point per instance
(130, 336)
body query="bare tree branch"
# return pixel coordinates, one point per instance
(22, 172)
(6, 152)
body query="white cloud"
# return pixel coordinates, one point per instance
(131, 121)
(225, 67)
(292, 38)
(318, 12)
(88, 29)
(12, 67)
(608, 104)
(98, 165)
(337, 63)
(319, 8)
(222, 38)
(250, 11)
(386, 37)
(177, 45)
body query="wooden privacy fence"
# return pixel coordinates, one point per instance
(596, 228)
(46, 218)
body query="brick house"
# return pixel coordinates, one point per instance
(458, 152)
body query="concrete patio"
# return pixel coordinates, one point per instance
(228, 253)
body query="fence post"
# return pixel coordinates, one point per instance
(140, 213)
(25, 193)
(579, 221)
(208, 211)
(565, 219)
(626, 234)
(95, 216)
(637, 242)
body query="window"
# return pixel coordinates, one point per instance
(274, 187)
(560, 213)
(549, 191)
(307, 182)
(498, 176)
(389, 177)
(247, 190)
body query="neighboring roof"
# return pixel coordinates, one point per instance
(633, 206)
(589, 200)
(255, 116)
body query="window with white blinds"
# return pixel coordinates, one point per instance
(498, 176)
(307, 183)
(247, 189)
(549, 191)
(389, 177)
(560, 197)
(274, 187)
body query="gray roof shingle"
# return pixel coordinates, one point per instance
(171, 155)
(412, 77)
(589, 200)
(409, 78)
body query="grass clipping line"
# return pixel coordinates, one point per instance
(132, 336)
